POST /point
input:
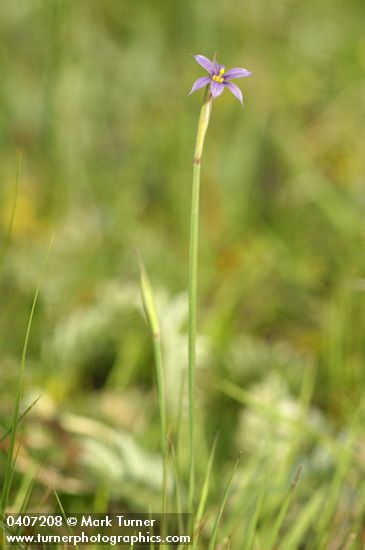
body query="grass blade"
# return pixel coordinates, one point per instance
(213, 538)
(150, 309)
(10, 462)
(204, 492)
(282, 513)
(250, 532)
(63, 513)
(8, 431)
(302, 523)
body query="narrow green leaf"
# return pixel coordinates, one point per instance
(204, 492)
(10, 462)
(213, 538)
(250, 532)
(148, 300)
(302, 522)
(282, 513)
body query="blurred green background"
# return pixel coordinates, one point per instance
(95, 95)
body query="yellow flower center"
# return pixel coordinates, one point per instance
(219, 78)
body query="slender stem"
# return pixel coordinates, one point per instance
(193, 280)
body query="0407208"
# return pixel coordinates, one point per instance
(27, 520)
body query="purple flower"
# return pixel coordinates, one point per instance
(219, 78)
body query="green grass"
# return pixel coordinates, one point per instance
(154, 325)
(95, 97)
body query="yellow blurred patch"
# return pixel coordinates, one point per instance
(26, 219)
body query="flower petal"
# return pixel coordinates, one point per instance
(238, 72)
(205, 63)
(235, 91)
(216, 88)
(200, 83)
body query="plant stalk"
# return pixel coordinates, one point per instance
(193, 280)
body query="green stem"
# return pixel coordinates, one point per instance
(193, 280)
